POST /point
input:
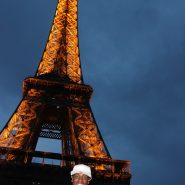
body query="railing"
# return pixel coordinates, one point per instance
(44, 158)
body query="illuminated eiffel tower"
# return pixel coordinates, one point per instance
(55, 105)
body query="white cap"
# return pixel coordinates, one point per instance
(82, 168)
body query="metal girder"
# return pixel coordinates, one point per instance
(50, 135)
(18, 130)
(61, 55)
(87, 133)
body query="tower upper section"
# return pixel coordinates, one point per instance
(61, 55)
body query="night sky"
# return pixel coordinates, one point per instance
(133, 55)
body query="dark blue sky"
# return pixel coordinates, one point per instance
(133, 54)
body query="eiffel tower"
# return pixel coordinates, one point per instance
(55, 105)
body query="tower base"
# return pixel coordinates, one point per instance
(104, 171)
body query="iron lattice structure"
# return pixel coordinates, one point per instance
(55, 105)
